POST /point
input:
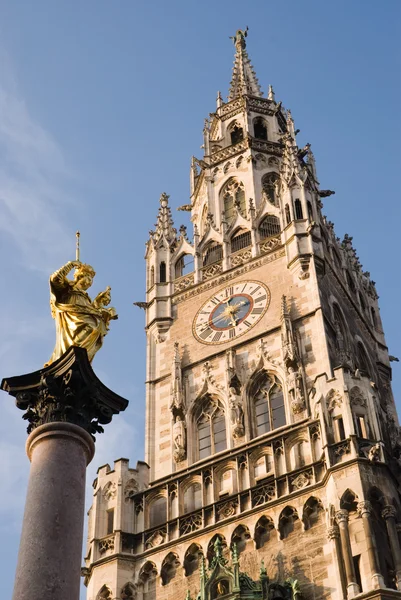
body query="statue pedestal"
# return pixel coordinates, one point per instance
(65, 405)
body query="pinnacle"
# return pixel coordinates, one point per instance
(244, 80)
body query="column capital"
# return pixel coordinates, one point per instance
(342, 516)
(333, 533)
(66, 391)
(389, 511)
(364, 507)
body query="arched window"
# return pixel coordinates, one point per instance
(162, 272)
(262, 531)
(268, 185)
(184, 265)
(233, 195)
(193, 498)
(313, 512)
(287, 520)
(260, 128)
(341, 340)
(192, 559)
(211, 427)
(158, 512)
(287, 214)
(269, 227)
(147, 580)
(240, 537)
(263, 466)
(362, 359)
(350, 281)
(169, 568)
(298, 209)
(236, 133)
(241, 239)
(269, 410)
(213, 253)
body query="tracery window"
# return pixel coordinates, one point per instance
(211, 425)
(269, 409)
(269, 227)
(362, 359)
(241, 239)
(268, 185)
(233, 198)
(260, 128)
(236, 133)
(212, 254)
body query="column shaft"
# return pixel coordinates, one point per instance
(388, 514)
(49, 559)
(342, 520)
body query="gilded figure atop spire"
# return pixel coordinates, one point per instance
(79, 320)
(244, 80)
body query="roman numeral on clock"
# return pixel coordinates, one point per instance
(215, 301)
(205, 334)
(232, 333)
(229, 291)
(255, 290)
(257, 300)
(217, 336)
(257, 311)
(247, 323)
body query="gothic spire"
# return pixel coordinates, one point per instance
(164, 225)
(244, 80)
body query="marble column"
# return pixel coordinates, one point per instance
(342, 520)
(333, 534)
(389, 514)
(65, 405)
(365, 511)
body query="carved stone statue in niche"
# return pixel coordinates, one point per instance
(295, 389)
(179, 439)
(290, 352)
(177, 395)
(236, 414)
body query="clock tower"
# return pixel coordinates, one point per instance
(272, 441)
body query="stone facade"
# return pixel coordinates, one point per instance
(280, 439)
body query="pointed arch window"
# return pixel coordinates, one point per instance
(260, 128)
(162, 272)
(269, 227)
(298, 209)
(212, 254)
(269, 409)
(233, 199)
(184, 265)
(158, 512)
(268, 185)
(211, 426)
(193, 498)
(236, 134)
(242, 239)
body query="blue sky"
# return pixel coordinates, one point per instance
(101, 107)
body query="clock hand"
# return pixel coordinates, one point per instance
(203, 326)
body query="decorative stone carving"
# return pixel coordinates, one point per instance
(295, 389)
(302, 480)
(227, 509)
(290, 350)
(179, 439)
(315, 432)
(278, 447)
(106, 544)
(263, 494)
(333, 533)
(374, 454)
(177, 394)
(157, 538)
(389, 511)
(333, 399)
(364, 507)
(67, 390)
(131, 488)
(207, 476)
(139, 505)
(191, 523)
(110, 491)
(236, 414)
(356, 397)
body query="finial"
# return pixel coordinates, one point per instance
(263, 571)
(77, 235)
(239, 38)
(271, 95)
(235, 553)
(219, 99)
(164, 199)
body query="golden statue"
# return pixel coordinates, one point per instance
(79, 321)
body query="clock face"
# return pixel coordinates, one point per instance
(231, 312)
